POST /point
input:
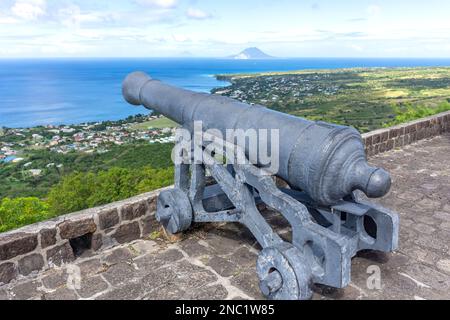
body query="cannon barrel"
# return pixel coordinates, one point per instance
(326, 161)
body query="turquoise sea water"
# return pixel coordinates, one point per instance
(70, 91)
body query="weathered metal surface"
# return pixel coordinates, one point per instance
(174, 210)
(284, 273)
(324, 164)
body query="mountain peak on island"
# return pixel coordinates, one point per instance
(251, 53)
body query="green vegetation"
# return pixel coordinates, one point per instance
(84, 180)
(367, 99)
(408, 112)
(69, 168)
(16, 213)
(18, 182)
(159, 123)
(85, 190)
(79, 191)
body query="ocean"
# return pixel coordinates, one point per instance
(72, 91)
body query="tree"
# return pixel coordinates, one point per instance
(80, 191)
(71, 193)
(16, 213)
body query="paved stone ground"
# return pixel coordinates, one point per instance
(218, 261)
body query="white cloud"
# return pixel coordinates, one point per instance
(374, 10)
(197, 14)
(357, 48)
(180, 37)
(165, 4)
(29, 9)
(8, 20)
(72, 16)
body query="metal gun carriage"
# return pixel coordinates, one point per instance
(324, 166)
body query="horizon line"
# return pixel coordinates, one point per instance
(215, 57)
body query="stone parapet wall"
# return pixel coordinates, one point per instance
(61, 240)
(383, 140)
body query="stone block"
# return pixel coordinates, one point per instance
(28, 264)
(389, 144)
(48, 237)
(97, 242)
(73, 229)
(118, 255)
(393, 133)
(91, 267)
(92, 286)
(133, 211)
(108, 219)
(8, 272)
(17, 244)
(248, 282)
(222, 266)
(420, 134)
(61, 294)
(376, 139)
(215, 292)
(126, 292)
(55, 278)
(27, 290)
(3, 295)
(120, 273)
(127, 232)
(399, 142)
(152, 204)
(149, 224)
(60, 254)
(376, 149)
(411, 128)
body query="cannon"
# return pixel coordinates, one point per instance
(323, 198)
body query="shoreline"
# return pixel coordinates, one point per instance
(229, 77)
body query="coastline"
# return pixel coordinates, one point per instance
(230, 76)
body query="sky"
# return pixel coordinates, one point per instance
(218, 28)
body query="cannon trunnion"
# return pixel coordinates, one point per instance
(324, 166)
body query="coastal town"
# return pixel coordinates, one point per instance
(269, 89)
(364, 98)
(87, 138)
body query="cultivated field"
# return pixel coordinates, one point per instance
(364, 98)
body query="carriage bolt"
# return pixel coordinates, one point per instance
(272, 283)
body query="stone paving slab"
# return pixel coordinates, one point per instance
(217, 261)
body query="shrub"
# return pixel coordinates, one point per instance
(18, 212)
(408, 112)
(80, 191)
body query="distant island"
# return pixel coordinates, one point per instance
(251, 53)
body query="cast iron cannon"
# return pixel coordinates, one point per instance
(325, 169)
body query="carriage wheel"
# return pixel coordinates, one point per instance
(174, 210)
(284, 273)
